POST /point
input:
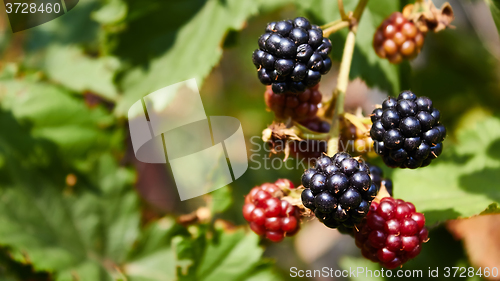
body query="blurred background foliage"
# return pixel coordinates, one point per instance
(76, 205)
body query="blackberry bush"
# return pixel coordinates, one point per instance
(268, 215)
(397, 39)
(392, 233)
(292, 55)
(338, 190)
(299, 106)
(407, 131)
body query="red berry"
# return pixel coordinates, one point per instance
(275, 236)
(268, 215)
(397, 39)
(299, 107)
(392, 233)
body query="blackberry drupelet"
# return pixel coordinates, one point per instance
(397, 39)
(292, 55)
(407, 132)
(339, 191)
(268, 215)
(392, 233)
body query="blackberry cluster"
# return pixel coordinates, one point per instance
(397, 39)
(297, 106)
(406, 131)
(339, 191)
(376, 174)
(268, 215)
(392, 233)
(292, 55)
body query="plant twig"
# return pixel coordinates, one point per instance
(335, 107)
(332, 23)
(359, 9)
(343, 15)
(334, 28)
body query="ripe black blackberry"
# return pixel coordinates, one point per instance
(376, 174)
(339, 191)
(407, 132)
(292, 55)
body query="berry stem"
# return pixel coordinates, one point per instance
(336, 105)
(335, 27)
(343, 15)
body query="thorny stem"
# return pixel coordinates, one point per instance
(336, 106)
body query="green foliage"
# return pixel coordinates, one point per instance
(366, 64)
(121, 50)
(495, 11)
(462, 182)
(180, 50)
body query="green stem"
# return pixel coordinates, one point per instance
(343, 15)
(334, 28)
(332, 23)
(336, 106)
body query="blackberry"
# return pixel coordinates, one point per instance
(268, 215)
(397, 39)
(338, 191)
(299, 107)
(407, 134)
(377, 176)
(392, 233)
(292, 56)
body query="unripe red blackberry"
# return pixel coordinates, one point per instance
(397, 39)
(299, 107)
(268, 215)
(392, 233)
(292, 55)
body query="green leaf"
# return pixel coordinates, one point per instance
(191, 51)
(495, 11)
(54, 114)
(200, 255)
(376, 72)
(462, 182)
(83, 73)
(69, 234)
(221, 200)
(361, 264)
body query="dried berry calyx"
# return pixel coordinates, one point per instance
(427, 17)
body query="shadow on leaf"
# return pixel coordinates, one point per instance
(482, 182)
